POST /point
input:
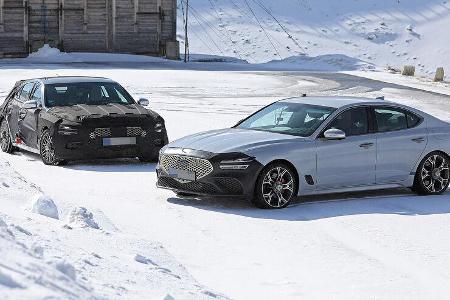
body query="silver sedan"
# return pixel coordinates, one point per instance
(312, 145)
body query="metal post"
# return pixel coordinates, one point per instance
(1, 12)
(186, 40)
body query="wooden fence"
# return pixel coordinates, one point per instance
(127, 26)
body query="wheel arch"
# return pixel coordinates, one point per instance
(291, 165)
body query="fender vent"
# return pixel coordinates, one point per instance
(309, 180)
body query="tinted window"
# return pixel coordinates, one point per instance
(353, 122)
(90, 93)
(288, 118)
(26, 90)
(412, 120)
(390, 119)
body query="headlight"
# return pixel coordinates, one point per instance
(241, 163)
(159, 127)
(67, 129)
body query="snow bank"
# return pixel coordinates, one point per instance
(43, 205)
(67, 269)
(82, 218)
(8, 282)
(47, 54)
(40, 259)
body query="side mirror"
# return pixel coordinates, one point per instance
(143, 102)
(334, 134)
(32, 104)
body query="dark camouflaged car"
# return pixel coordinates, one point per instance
(77, 118)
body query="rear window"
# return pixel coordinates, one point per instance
(412, 120)
(390, 119)
(89, 93)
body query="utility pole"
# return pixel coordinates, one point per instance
(186, 40)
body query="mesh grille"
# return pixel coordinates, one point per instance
(195, 186)
(102, 132)
(230, 186)
(136, 131)
(201, 167)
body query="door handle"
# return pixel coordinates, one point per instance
(22, 114)
(418, 140)
(366, 145)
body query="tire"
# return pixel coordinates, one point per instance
(47, 151)
(276, 187)
(5, 138)
(432, 176)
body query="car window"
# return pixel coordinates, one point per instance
(37, 94)
(353, 122)
(288, 118)
(89, 93)
(390, 119)
(26, 90)
(412, 120)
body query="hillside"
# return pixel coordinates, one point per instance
(319, 34)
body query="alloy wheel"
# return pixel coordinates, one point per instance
(435, 174)
(47, 150)
(5, 139)
(277, 187)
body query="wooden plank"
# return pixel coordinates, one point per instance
(133, 26)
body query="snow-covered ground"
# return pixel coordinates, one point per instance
(142, 242)
(63, 251)
(323, 34)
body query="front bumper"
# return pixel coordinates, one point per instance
(218, 183)
(81, 146)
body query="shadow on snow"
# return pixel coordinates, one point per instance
(383, 202)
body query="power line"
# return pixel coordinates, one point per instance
(276, 20)
(197, 16)
(264, 30)
(226, 29)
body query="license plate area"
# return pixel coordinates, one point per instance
(119, 141)
(182, 174)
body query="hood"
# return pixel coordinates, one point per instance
(231, 140)
(78, 113)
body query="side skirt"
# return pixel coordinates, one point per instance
(355, 189)
(26, 148)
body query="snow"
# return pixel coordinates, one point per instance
(43, 205)
(371, 32)
(43, 258)
(148, 243)
(81, 217)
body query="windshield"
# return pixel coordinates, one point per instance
(288, 118)
(90, 93)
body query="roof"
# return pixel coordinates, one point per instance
(332, 101)
(71, 79)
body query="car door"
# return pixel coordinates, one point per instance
(401, 140)
(349, 162)
(14, 107)
(28, 118)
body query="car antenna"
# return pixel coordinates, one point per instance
(303, 95)
(380, 98)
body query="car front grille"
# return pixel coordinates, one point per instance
(194, 187)
(230, 186)
(102, 132)
(201, 167)
(136, 131)
(120, 131)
